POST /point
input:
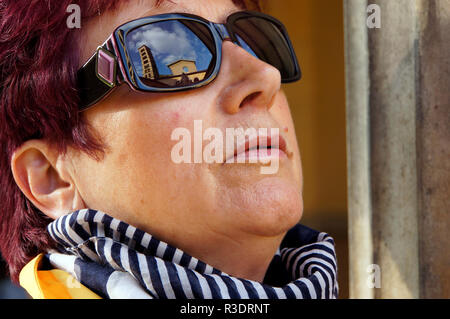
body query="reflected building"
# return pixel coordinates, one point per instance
(149, 68)
(183, 66)
(183, 71)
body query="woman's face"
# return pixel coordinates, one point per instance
(138, 182)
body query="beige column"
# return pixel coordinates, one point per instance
(433, 142)
(398, 115)
(358, 148)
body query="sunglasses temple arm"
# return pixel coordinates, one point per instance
(97, 78)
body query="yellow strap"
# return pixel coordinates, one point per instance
(52, 284)
(72, 286)
(28, 278)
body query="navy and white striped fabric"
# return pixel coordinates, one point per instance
(117, 260)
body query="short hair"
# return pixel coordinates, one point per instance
(39, 57)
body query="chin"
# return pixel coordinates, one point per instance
(269, 208)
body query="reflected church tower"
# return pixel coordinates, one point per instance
(149, 68)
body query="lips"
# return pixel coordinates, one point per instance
(259, 147)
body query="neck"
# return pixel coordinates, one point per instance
(247, 258)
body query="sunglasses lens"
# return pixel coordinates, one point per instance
(172, 54)
(267, 41)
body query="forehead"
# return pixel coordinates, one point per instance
(97, 29)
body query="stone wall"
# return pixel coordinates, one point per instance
(398, 137)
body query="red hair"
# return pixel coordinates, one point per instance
(39, 56)
(38, 100)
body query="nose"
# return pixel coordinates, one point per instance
(245, 81)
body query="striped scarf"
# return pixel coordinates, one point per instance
(117, 260)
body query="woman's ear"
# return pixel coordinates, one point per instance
(43, 175)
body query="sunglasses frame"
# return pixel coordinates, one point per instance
(113, 54)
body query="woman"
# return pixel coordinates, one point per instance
(96, 205)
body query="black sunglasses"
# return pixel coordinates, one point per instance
(178, 51)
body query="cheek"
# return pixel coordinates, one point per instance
(146, 145)
(137, 168)
(174, 117)
(282, 113)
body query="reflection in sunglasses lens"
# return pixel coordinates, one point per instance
(173, 53)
